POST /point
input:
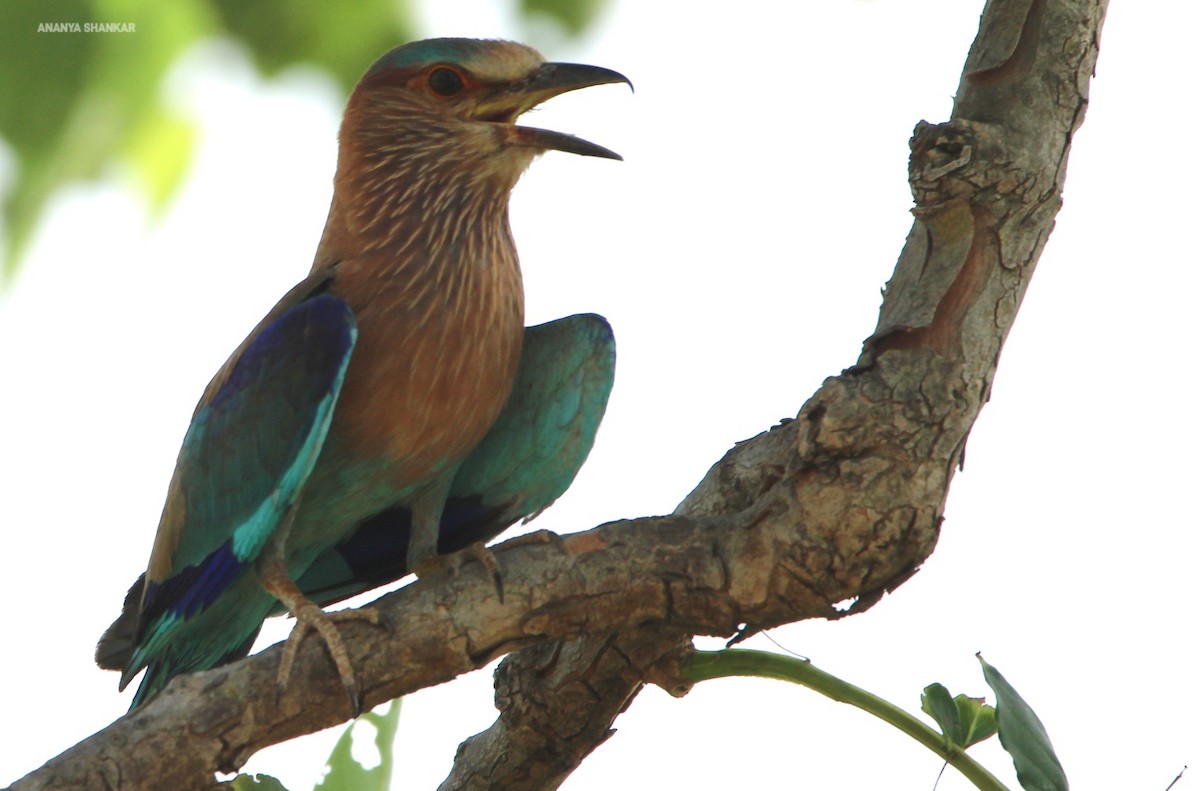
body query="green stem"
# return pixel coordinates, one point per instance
(703, 665)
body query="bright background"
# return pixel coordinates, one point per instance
(738, 252)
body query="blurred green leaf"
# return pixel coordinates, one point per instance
(574, 15)
(77, 103)
(344, 772)
(256, 783)
(39, 71)
(75, 98)
(1024, 737)
(343, 38)
(42, 74)
(160, 149)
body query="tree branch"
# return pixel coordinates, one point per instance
(843, 503)
(987, 186)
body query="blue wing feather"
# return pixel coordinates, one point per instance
(252, 444)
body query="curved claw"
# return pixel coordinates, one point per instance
(310, 617)
(323, 623)
(454, 561)
(487, 559)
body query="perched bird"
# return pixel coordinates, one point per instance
(528, 459)
(354, 403)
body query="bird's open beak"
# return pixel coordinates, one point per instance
(550, 80)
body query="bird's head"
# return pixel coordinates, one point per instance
(429, 144)
(460, 98)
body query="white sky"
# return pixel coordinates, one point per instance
(738, 252)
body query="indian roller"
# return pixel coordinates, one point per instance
(391, 405)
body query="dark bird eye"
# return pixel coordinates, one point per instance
(445, 82)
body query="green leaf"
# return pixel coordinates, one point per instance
(343, 38)
(937, 703)
(77, 103)
(1024, 737)
(73, 99)
(978, 719)
(574, 15)
(964, 720)
(342, 771)
(41, 75)
(40, 71)
(159, 150)
(256, 783)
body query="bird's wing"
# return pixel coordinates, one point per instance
(528, 459)
(545, 433)
(251, 445)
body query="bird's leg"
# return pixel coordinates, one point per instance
(423, 557)
(426, 509)
(274, 578)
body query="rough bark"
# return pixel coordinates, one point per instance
(870, 457)
(841, 504)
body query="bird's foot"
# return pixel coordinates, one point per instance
(431, 566)
(310, 617)
(454, 562)
(487, 559)
(423, 557)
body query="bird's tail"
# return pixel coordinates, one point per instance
(115, 648)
